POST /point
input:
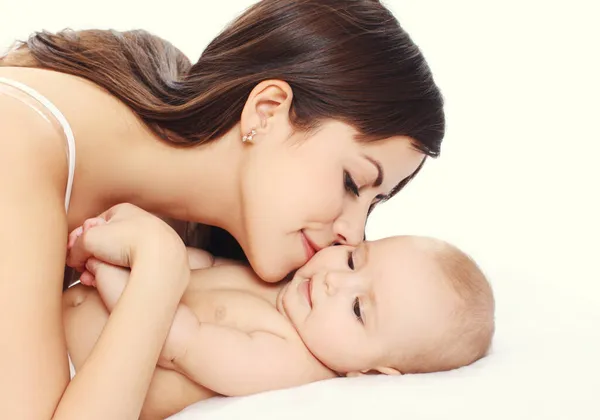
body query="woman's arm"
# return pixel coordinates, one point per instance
(34, 374)
(33, 363)
(118, 371)
(84, 317)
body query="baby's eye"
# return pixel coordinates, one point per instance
(356, 309)
(350, 260)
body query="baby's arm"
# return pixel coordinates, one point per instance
(199, 258)
(234, 363)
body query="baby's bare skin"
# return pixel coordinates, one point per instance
(348, 311)
(228, 296)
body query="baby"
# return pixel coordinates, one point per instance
(394, 306)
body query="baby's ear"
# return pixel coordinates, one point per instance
(354, 374)
(388, 371)
(374, 371)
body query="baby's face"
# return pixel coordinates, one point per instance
(353, 307)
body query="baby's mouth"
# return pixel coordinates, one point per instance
(306, 289)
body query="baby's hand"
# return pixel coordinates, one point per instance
(86, 278)
(110, 280)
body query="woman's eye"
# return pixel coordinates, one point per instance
(356, 309)
(378, 199)
(349, 184)
(350, 260)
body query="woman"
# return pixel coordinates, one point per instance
(297, 119)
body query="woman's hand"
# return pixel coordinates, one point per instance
(121, 234)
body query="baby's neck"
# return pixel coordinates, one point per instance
(235, 277)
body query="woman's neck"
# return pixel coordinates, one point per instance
(199, 184)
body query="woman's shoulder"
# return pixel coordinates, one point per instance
(23, 126)
(32, 132)
(77, 98)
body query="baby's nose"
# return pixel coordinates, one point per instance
(336, 282)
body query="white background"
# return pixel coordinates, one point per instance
(517, 184)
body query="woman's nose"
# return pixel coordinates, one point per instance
(349, 232)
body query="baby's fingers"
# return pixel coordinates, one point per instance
(103, 241)
(87, 279)
(103, 272)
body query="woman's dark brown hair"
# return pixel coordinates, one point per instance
(347, 60)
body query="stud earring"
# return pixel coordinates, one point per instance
(248, 137)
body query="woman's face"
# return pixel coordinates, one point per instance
(301, 193)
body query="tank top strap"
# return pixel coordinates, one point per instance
(70, 138)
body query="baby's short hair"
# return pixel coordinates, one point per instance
(472, 323)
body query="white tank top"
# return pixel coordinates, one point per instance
(70, 138)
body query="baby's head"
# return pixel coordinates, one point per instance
(403, 304)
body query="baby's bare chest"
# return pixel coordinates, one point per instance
(231, 299)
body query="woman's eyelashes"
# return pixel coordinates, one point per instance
(349, 184)
(356, 310)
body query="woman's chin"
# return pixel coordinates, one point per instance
(268, 272)
(290, 276)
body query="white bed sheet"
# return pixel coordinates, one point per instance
(543, 365)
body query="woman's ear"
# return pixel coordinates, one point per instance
(267, 107)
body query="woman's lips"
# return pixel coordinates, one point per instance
(310, 249)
